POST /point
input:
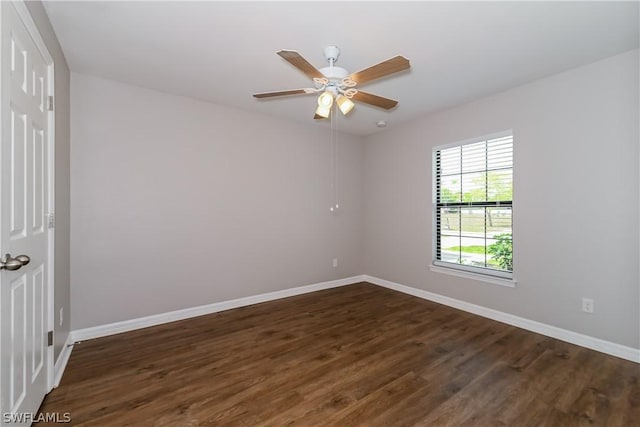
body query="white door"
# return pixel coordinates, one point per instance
(24, 196)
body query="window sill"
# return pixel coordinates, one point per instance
(510, 283)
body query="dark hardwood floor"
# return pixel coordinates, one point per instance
(359, 355)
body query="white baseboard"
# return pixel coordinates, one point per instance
(618, 350)
(158, 319)
(63, 359)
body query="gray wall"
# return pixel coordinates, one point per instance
(576, 201)
(62, 278)
(178, 203)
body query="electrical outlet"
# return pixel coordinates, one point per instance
(61, 315)
(587, 305)
(335, 262)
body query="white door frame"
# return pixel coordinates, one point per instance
(33, 31)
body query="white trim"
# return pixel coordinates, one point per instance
(63, 359)
(614, 349)
(597, 344)
(158, 319)
(32, 28)
(502, 281)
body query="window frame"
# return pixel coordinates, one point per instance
(481, 273)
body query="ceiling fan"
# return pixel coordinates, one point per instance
(335, 84)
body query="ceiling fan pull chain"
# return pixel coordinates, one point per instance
(334, 155)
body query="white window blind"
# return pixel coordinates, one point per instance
(473, 206)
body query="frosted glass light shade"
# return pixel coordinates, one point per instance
(345, 104)
(323, 111)
(325, 99)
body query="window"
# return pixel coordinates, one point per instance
(473, 188)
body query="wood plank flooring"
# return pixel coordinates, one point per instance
(359, 355)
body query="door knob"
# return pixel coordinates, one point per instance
(23, 259)
(8, 263)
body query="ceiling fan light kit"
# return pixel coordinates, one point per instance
(344, 104)
(325, 101)
(336, 84)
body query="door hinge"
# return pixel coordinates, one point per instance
(50, 339)
(50, 103)
(52, 220)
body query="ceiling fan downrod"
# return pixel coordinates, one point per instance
(331, 53)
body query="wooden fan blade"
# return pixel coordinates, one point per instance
(281, 93)
(318, 117)
(382, 69)
(295, 59)
(375, 100)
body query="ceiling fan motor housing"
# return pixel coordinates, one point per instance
(332, 73)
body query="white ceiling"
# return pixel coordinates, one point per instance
(223, 52)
